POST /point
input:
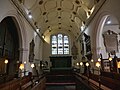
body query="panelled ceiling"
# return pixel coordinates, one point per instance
(58, 15)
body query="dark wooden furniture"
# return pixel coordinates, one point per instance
(60, 61)
(25, 83)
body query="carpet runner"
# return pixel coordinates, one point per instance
(61, 79)
(61, 88)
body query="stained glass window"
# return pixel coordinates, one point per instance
(54, 44)
(66, 45)
(60, 44)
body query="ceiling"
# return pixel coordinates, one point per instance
(50, 15)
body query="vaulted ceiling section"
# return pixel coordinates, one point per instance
(50, 15)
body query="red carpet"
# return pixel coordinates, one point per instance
(72, 83)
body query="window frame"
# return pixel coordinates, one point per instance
(63, 44)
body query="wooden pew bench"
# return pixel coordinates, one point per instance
(41, 85)
(27, 86)
(111, 83)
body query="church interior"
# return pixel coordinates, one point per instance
(59, 45)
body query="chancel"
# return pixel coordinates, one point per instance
(59, 44)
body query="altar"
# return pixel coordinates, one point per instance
(61, 63)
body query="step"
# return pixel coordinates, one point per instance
(61, 83)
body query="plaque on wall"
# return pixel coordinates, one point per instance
(110, 41)
(31, 51)
(74, 51)
(87, 43)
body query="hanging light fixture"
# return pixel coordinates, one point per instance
(21, 66)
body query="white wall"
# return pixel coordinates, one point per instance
(26, 33)
(114, 28)
(109, 8)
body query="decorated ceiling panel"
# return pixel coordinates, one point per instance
(89, 3)
(52, 15)
(82, 14)
(78, 22)
(29, 4)
(67, 15)
(50, 4)
(36, 12)
(67, 4)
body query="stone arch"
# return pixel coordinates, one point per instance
(98, 32)
(23, 48)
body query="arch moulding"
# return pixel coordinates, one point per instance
(23, 48)
(98, 32)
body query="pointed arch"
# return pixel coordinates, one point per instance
(97, 37)
(21, 32)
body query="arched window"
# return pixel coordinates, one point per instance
(60, 44)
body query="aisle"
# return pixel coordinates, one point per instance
(60, 79)
(72, 87)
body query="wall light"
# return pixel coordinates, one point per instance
(29, 15)
(118, 64)
(87, 64)
(6, 61)
(92, 60)
(81, 63)
(32, 65)
(43, 36)
(37, 29)
(25, 62)
(77, 64)
(99, 60)
(108, 22)
(97, 64)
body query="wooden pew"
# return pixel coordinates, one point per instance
(94, 77)
(41, 85)
(25, 83)
(111, 83)
(15, 84)
(27, 86)
(11, 85)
